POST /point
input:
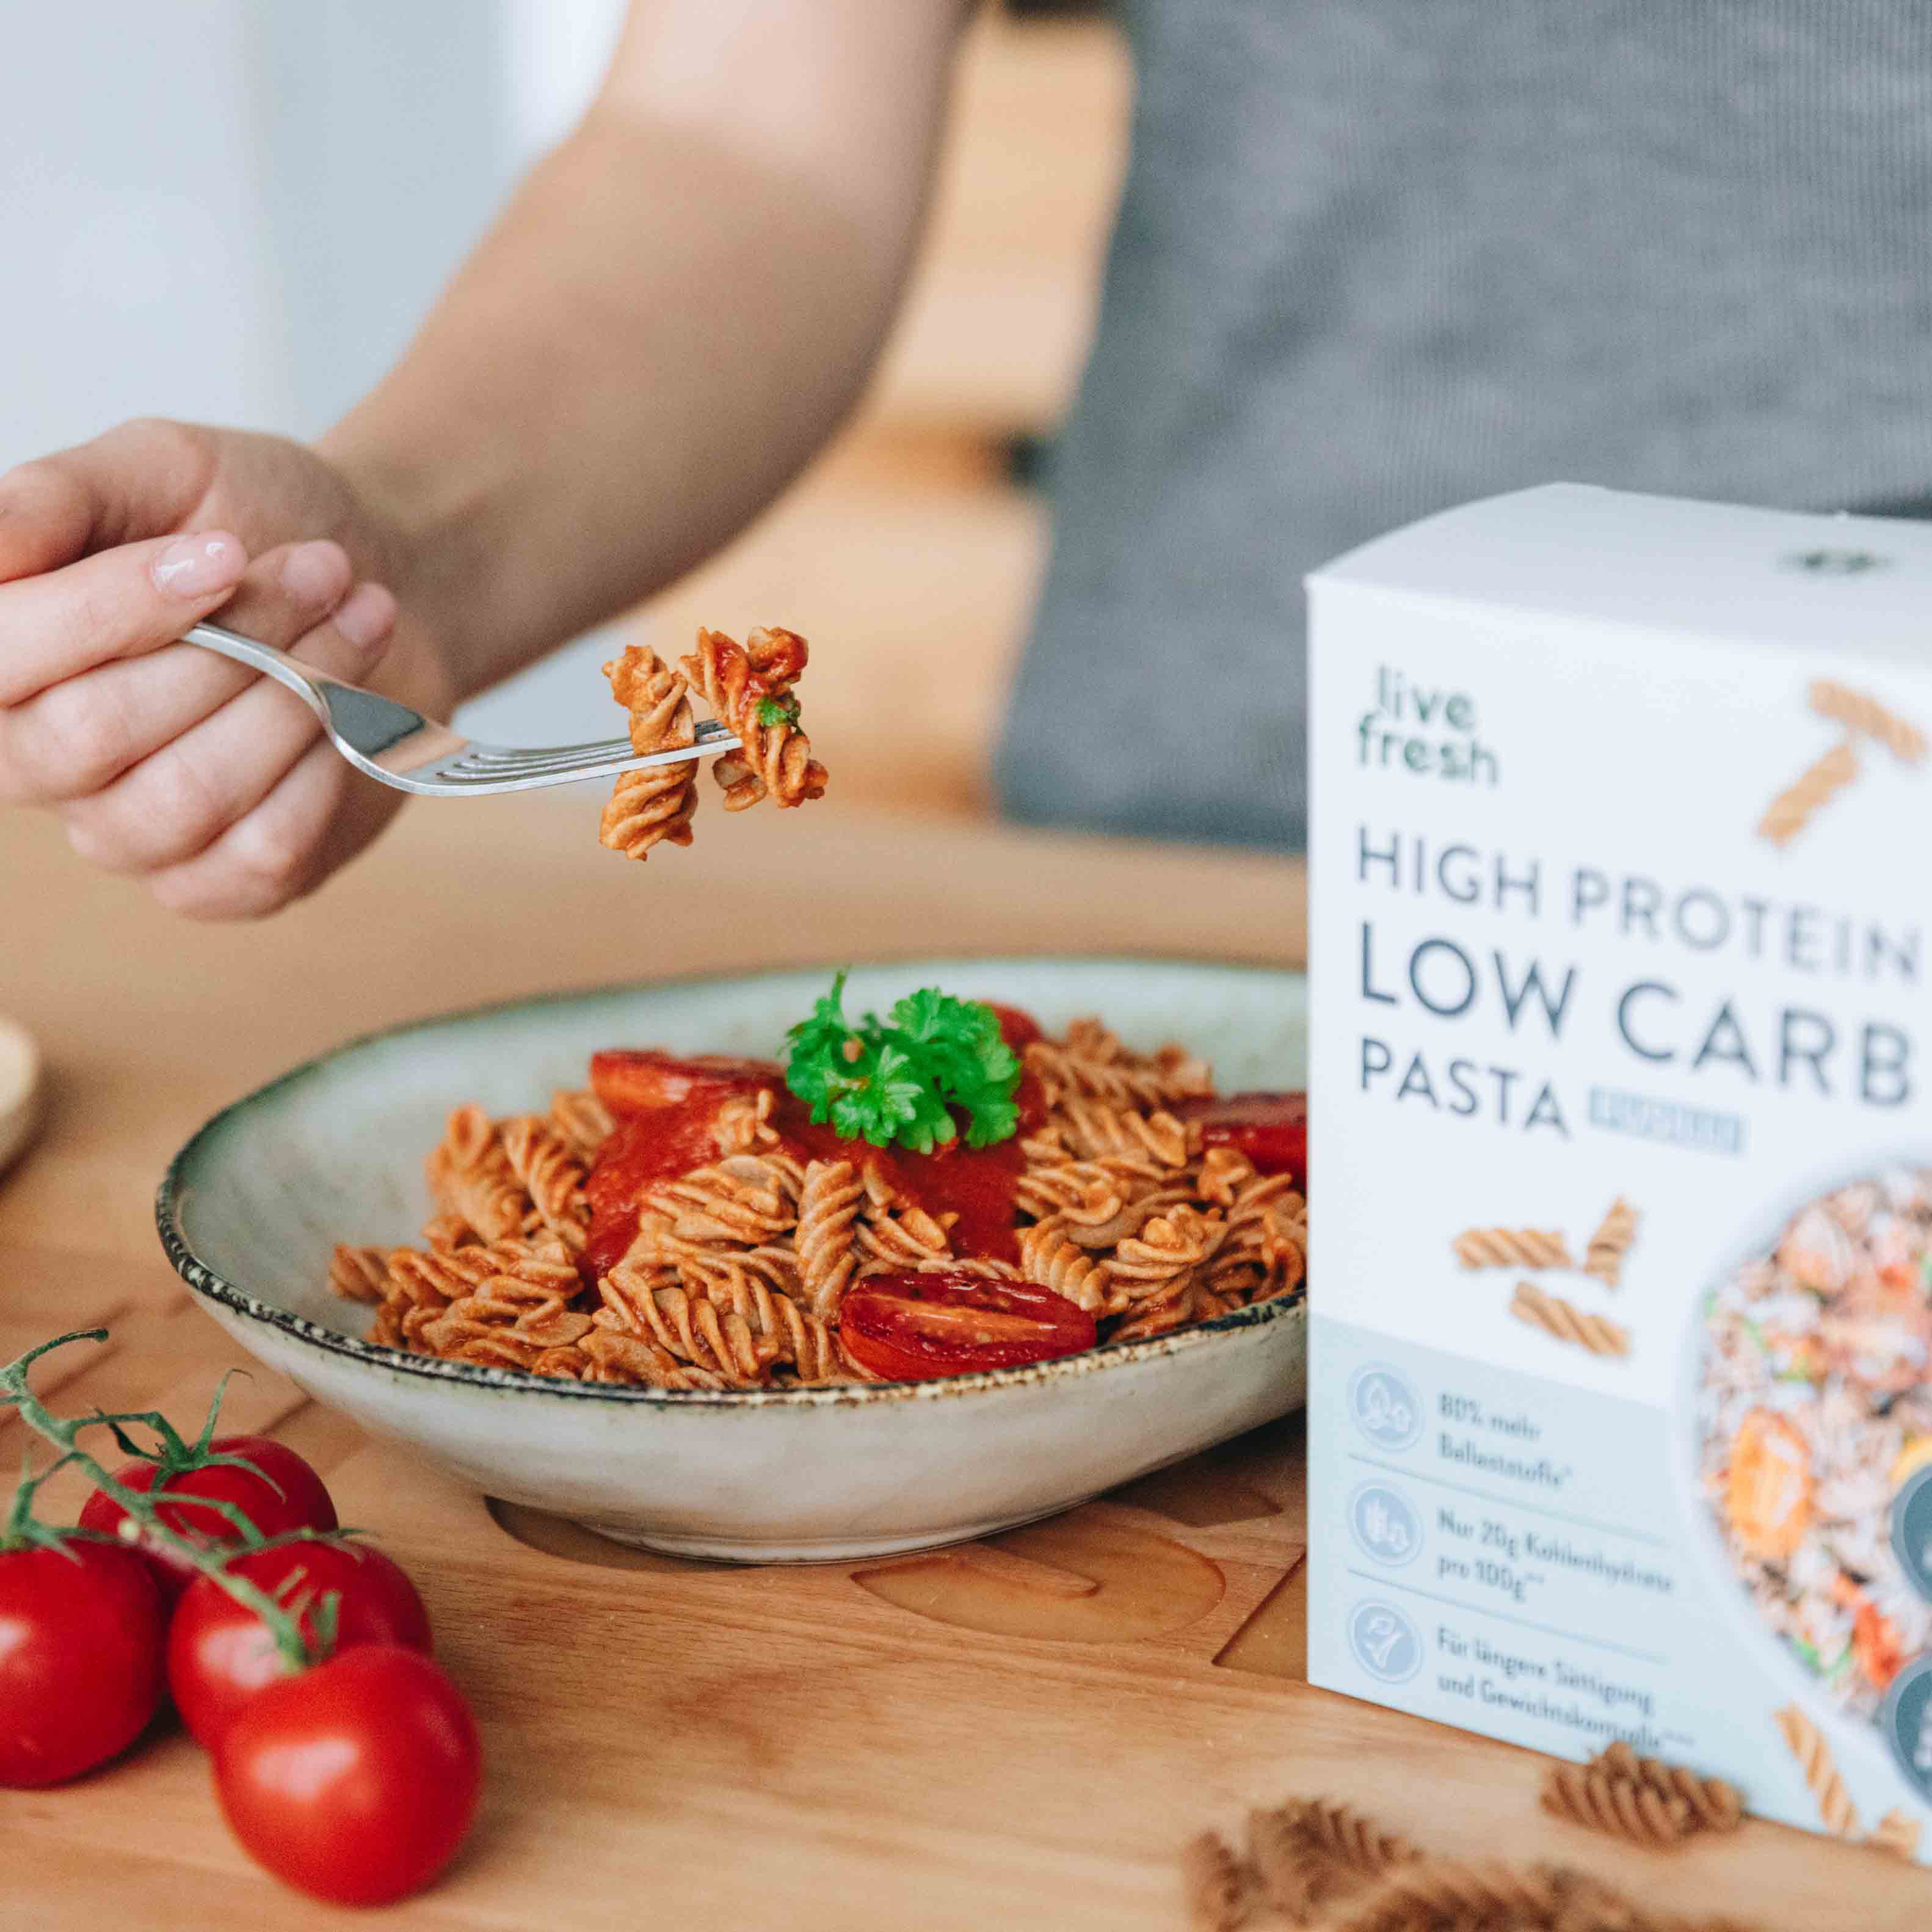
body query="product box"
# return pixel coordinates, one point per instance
(1621, 1420)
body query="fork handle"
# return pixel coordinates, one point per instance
(264, 658)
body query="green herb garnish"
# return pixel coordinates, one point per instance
(899, 1080)
(773, 712)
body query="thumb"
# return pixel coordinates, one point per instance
(143, 479)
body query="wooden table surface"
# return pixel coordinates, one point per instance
(1021, 1734)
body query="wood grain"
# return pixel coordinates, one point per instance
(682, 1745)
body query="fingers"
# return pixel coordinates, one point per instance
(78, 735)
(189, 793)
(288, 844)
(139, 479)
(110, 606)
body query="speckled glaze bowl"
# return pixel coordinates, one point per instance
(250, 1206)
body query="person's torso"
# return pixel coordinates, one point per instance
(1377, 256)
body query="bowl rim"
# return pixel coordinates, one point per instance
(213, 1287)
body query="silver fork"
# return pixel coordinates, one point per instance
(400, 747)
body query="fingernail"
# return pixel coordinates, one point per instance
(193, 566)
(368, 615)
(316, 573)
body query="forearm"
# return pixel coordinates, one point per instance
(667, 321)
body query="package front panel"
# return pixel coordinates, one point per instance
(1622, 1302)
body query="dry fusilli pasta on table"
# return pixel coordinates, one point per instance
(1314, 1863)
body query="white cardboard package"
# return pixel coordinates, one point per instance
(1621, 1422)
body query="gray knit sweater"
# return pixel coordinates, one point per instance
(1375, 256)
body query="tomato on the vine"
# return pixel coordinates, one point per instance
(914, 1326)
(277, 1492)
(82, 1635)
(220, 1654)
(354, 1781)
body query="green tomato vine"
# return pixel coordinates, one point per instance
(143, 1522)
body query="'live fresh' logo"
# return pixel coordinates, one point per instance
(1431, 733)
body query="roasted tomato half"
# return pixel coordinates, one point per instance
(915, 1327)
(1270, 1129)
(641, 1080)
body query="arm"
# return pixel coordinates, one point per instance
(671, 317)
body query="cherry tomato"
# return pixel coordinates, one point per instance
(1270, 1129)
(82, 1634)
(354, 1781)
(280, 1492)
(220, 1654)
(915, 1327)
(638, 1081)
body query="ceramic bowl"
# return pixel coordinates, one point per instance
(333, 1151)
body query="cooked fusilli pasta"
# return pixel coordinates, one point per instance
(750, 687)
(735, 1270)
(653, 806)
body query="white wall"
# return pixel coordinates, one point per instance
(238, 210)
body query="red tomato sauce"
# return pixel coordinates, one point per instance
(1018, 1027)
(643, 1150)
(976, 1183)
(666, 1106)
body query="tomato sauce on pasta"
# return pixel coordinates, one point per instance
(683, 1223)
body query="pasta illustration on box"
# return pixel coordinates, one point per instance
(1621, 1437)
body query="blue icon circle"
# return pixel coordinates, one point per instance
(1383, 1406)
(1385, 1643)
(1907, 1722)
(1911, 1531)
(1384, 1524)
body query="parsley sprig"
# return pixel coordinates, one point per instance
(773, 712)
(901, 1079)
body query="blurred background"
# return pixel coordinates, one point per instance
(238, 212)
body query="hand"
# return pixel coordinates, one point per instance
(166, 762)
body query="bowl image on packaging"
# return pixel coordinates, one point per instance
(252, 1206)
(1804, 1421)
